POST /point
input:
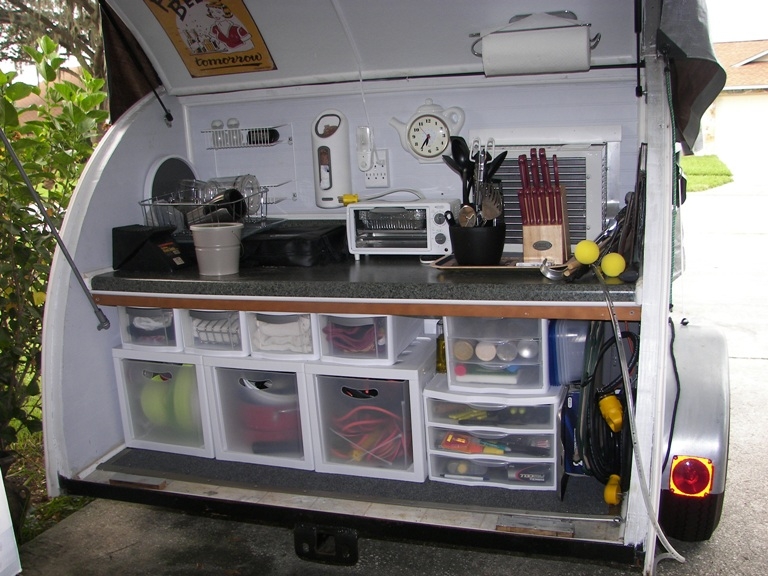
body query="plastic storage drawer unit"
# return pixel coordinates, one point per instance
(368, 421)
(155, 328)
(163, 403)
(283, 336)
(373, 340)
(494, 440)
(214, 332)
(260, 413)
(498, 355)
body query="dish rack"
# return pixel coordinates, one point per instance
(171, 210)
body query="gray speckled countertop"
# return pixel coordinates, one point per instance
(373, 277)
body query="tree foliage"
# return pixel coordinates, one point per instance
(75, 25)
(53, 147)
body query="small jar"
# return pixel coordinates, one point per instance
(234, 137)
(440, 364)
(217, 134)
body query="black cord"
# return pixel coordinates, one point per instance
(608, 345)
(606, 452)
(677, 391)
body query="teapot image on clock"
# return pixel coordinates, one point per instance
(427, 135)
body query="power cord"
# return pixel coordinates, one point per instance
(643, 481)
(348, 199)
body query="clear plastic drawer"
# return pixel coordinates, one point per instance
(214, 332)
(504, 355)
(156, 328)
(283, 336)
(260, 413)
(163, 402)
(354, 339)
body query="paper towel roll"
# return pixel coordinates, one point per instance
(538, 44)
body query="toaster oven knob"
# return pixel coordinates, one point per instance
(440, 238)
(439, 218)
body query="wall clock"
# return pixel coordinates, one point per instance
(427, 134)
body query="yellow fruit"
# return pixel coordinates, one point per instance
(613, 264)
(587, 252)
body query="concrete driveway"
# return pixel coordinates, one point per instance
(723, 285)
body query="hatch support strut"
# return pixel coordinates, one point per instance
(103, 321)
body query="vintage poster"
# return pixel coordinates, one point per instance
(213, 37)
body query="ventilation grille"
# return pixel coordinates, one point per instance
(583, 173)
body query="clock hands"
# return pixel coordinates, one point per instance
(426, 141)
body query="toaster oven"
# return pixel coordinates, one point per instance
(399, 228)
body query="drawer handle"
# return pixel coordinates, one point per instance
(359, 394)
(255, 384)
(157, 376)
(481, 406)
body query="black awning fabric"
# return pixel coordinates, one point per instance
(697, 77)
(130, 75)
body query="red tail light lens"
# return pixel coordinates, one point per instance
(691, 476)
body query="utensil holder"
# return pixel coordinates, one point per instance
(478, 245)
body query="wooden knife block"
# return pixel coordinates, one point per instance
(549, 241)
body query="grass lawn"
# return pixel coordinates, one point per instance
(705, 172)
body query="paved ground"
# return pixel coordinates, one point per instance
(723, 285)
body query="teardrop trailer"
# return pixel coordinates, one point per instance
(256, 395)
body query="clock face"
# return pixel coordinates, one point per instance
(428, 136)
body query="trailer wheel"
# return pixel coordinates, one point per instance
(690, 519)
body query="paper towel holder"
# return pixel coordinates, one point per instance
(565, 14)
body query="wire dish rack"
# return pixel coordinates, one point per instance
(229, 206)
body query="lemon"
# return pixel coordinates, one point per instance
(613, 264)
(587, 252)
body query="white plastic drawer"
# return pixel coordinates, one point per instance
(355, 339)
(494, 413)
(283, 336)
(260, 413)
(516, 475)
(163, 402)
(214, 332)
(504, 355)
(155, 328)
(367, 421)
(485, 444)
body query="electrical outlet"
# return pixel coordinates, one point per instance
(378, 175)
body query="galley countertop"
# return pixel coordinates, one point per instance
(371, 279)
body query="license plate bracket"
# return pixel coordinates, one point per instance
(326, 544)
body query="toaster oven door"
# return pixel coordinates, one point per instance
(384, 228)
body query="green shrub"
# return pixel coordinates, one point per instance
(53, 146)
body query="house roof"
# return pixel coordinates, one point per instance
(745, 63)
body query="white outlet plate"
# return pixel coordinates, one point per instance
(378, 175)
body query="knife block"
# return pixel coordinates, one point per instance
(548, 241)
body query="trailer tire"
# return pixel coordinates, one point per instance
(690, 519)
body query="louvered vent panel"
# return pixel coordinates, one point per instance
(582, 172)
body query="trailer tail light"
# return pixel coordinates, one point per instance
(691, 476)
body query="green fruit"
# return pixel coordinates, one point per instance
(185, 405)
(156, 402)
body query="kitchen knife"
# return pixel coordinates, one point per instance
(558, 191)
